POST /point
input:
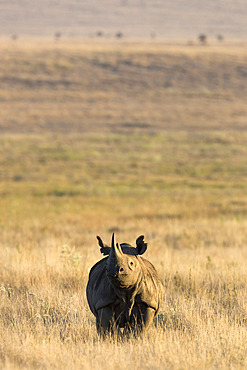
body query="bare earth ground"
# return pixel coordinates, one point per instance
(137, 138)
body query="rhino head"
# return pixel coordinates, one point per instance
(123, 269)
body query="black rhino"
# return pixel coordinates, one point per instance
(124, 290)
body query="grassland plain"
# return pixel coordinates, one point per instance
(135, 138)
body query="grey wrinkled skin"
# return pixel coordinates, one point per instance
(123, 290)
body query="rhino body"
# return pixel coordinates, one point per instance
(123, 289)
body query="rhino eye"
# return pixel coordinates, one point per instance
(131, 263)
(121, 269)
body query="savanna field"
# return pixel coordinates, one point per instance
(136, 138)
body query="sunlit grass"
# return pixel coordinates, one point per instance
(182, 183)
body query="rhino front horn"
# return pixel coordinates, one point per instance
(116, 251)
(113, 250)
(112, 241)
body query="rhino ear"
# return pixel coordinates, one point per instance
(141, 246)
(104, 249)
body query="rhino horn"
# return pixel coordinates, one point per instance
(120, 252)
(116, 251)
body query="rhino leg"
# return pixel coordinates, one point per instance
(147, 318)
(105, 322)
(141, 318)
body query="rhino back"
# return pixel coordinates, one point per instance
(99, 291)
(151, 288)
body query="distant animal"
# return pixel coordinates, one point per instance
(124, 291)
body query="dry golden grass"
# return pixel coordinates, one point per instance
(46, 323)
(184, 189)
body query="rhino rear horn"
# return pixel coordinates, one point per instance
(119, 249)
(141, 246)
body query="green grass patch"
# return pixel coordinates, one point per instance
(210, 168)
